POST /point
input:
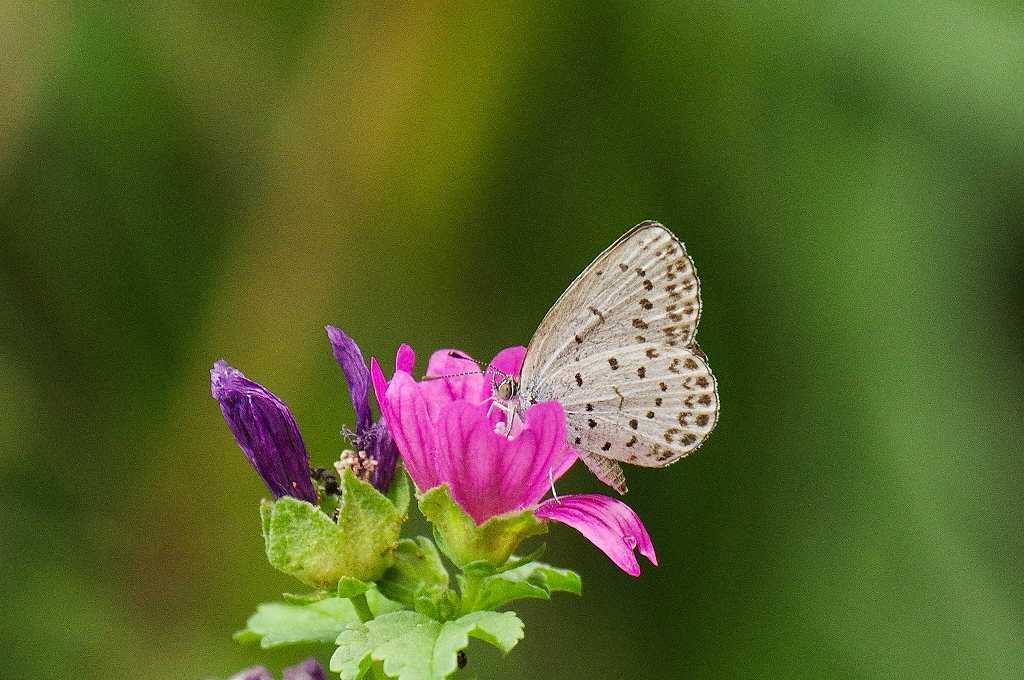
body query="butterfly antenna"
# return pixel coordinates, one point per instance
(459, 355)
(451, 375)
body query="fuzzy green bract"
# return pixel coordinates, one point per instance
(411, 646)
(302, 541)
(465, 542)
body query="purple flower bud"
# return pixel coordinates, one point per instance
(266, 431)
(307, 670)
(357, 375)
(373, 439)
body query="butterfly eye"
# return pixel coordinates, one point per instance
(506, 389)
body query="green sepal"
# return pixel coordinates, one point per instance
(412, 646)
(276, 624)
(399, 493)
(464, 542)
(305, 543)
(534, 580)
(349, 587)
(482, 568)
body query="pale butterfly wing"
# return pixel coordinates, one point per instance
(617, 348)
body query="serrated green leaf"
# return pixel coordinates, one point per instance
(399, 493)
(459, 537)
(276, 624)
(415, 647)
(417, 568)
(534, 580)
(305, 543)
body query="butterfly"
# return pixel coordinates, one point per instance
(617, 349)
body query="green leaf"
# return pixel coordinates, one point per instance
(534, 580)
(398, 492)
(306, 598)
(417, 568)
(276, 624)
(305, 543)
(412, 646)
(459, 537)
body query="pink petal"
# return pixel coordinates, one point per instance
(405, 411)
(509, 360)
(470, 461)
(608, 523)
(467, 380)
(490, 474)
(405, 359)
(379, 382)
(550, 457)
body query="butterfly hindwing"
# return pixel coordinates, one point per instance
(654, 407)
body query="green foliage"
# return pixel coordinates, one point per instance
(305, 543)
(531, 580)
(276, 624)
(411, 646)
(417, 571)
(465, 542)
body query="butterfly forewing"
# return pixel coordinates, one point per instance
(622, 330)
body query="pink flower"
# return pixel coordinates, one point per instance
(448, 433)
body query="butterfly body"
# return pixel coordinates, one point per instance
(617, 350)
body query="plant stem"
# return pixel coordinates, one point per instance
(362, 607)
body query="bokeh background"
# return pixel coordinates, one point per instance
(181, 182)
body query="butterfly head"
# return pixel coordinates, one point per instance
(507, 389)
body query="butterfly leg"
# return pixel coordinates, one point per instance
(551, 479)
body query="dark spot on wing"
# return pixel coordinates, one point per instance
(646, 304)
(640, 323)
(590, 407)
(704, 400)
(650, 414)
(591, 423)
(606, 446)
(657, 401)
(652, 353)
(642, 372)
(702, 419)
(648, 285)
(690, 364)
(614, 363)
(634, 423)
(663, 386)
(579, 380)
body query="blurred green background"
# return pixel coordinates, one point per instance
(181, 182)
